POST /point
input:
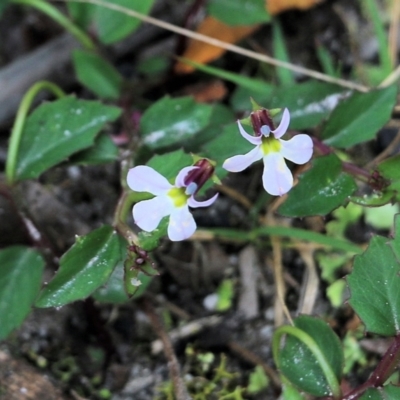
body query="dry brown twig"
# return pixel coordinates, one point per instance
(180, 390)
(227, 46)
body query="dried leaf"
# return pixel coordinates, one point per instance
(207, 92)
(202, 52)
(277, 6)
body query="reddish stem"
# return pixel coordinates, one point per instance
(382, 371)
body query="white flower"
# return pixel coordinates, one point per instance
(277, 178)
(172, 200)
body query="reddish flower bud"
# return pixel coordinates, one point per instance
(259, 119)
(196, 178)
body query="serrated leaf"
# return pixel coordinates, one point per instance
(83, 268)
(103, 151)
(359, 117)
(172, 122)
(313, 101)
(21, 272)
(299, 364)
(97, 74)
(239, 12)
(56, 130)
(320, 190)
(375, 275)
(114, 25)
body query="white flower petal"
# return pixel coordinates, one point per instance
(299, 149)
(283, 126)
(256, 140)
(147, 214)
(180, 178)
(241, 162)
(277, 178)
(145, 179)
(192, 202)
(181, 224)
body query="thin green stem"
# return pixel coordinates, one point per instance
(126, 200)
(16, 133)
(61, 19)
(313, 347)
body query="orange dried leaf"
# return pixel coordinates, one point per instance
(202, 52)
(276, 6)
(207, 92)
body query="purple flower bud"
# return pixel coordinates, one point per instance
(197, 177)
(259, 120)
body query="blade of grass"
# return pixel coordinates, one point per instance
(285, 76)
(227, 46)
(254, 84)
(373, 13)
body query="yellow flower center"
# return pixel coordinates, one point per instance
(178, 196)
(270, 145)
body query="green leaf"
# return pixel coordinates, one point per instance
(221, 116)
(83, 268)
(239, 12)
(359, 117)
(97, 74)
(375, 276)
(289, 392)
(81, 13)
(225, 292)
(227, 144)
(381, 217)
(3, 5)
(103, 151)
(320, 190)
(258, 380)
(385, 393)
(21, 271)
(56, 130)
(170, 164)
(115, 25)
(300, 365)
(171, 122)
(113, 291)
(309, 102)
(312, 103)
(390, 168)
(285, 76)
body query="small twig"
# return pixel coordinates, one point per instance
(185, 331)
(311, 282)
(180, 390)
(226, 46)
(276, 244)
(391, 78)
(386, 152)
(256, 360)
(393, 31)
(234, 194)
